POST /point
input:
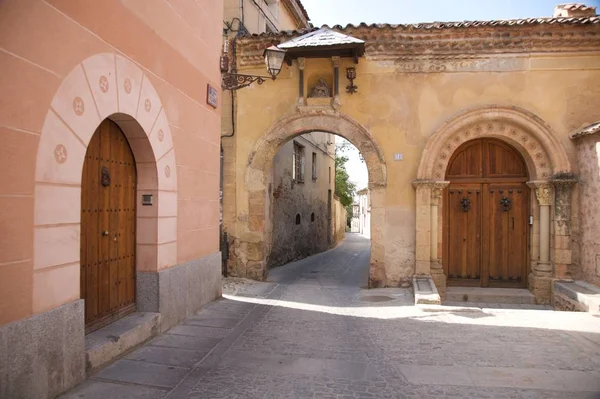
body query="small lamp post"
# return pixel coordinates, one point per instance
(274, 57)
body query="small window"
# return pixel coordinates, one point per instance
(297, 218)
(312, 217)
(298, 167)
(314, 166)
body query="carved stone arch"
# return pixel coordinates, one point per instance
(256, 229)
(103, 86)
(526, 132)
(287, 128)
(544, 155)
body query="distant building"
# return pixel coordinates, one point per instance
(355, 222)
(306, 213)
(364, 212)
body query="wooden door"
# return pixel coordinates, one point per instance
(505, 234)
(108, 218)
(463, 202)
(486, 212)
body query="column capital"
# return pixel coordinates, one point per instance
(433, 184)
(301, 63)
(563, 183)
(543, 191)
(336, 61)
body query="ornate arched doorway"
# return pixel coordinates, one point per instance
(108, 217)
(486, 216)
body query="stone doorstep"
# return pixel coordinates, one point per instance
(581, 295)
(521, 296)
(425, 291)
(106, 344)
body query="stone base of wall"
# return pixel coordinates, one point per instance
(439, 279)
(180, 291)
(43, 355)
(541, 288)
(562, 302)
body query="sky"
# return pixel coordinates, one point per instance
(342, 12)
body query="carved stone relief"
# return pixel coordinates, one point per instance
(321, 89)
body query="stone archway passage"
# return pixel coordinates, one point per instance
(108, 209)
(253, 243)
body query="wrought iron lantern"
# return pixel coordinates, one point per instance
(351, 75)
(274, 57)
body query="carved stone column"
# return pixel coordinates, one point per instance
(540, 278)
(301, 66)
(427, 259)
(437, 272)
(561, 248)
(336, 79)
(543, 193)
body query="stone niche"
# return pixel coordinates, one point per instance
(319, 90)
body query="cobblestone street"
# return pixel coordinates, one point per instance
(314, 331)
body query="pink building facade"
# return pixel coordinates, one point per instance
(73, 76)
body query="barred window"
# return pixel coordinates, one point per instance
(298, 167)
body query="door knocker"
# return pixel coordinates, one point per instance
(506, 204)
(105, 180)
(465, 203)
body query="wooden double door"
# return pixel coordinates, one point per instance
(108, 216)
(486, 216)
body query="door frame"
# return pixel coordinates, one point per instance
(484, 182)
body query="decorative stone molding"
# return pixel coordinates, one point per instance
(533, 138)
(460, 64)
(543, 192)
(436, 187)
(386, 42)
(301, 63)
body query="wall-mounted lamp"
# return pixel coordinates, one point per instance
(232, 81)
(351, 75)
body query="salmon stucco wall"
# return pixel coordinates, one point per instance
(175, 45)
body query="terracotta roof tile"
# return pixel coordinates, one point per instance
(576, 6)
(445, 25)
(303, 9)
(320, 38)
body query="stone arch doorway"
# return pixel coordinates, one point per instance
(256, 231)
(486, 206)
(108, 212)
(104, 86)
(547, 165)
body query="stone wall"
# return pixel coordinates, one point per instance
(520, 83)
(306, 201)
(339, 221)
(588, 153)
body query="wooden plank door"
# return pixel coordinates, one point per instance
(463, 262)
(108, 227)
(505, 234)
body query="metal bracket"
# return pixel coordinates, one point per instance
(235, 81)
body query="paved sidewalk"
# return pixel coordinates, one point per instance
(313, 331)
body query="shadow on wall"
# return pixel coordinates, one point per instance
(300, 226)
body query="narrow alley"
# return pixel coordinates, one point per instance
(313, 331)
